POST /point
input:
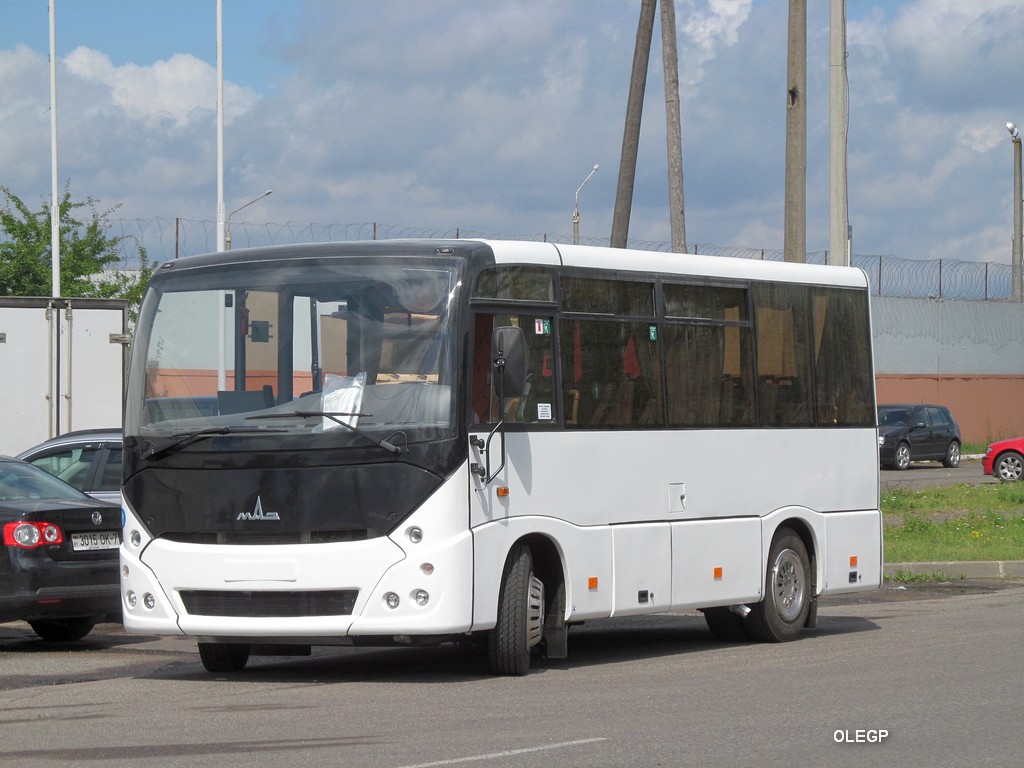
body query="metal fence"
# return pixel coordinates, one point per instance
(889, 275)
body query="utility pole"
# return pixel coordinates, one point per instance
(840, 245)
(673, 127)
(1015, 255)
(54, 182)
(221, 244)
(795, 229)
(631, 133)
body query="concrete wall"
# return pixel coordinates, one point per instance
(967, 355)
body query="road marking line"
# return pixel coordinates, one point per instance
(507, 753)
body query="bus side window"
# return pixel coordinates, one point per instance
(537, 405)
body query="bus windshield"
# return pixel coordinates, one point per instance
(317, 354)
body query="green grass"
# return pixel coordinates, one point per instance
(961, 522)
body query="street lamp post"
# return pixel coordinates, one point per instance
(1018, 199)
(576, 211)
(227, 234)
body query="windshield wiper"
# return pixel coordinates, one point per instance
(334, 416)
(183, 439)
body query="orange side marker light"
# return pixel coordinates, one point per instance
(592, 582)
(853, 561)
(718, 573)
(502, 491)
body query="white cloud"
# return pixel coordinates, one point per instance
(487, 117)
(170, 91)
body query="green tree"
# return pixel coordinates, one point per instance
(88, 254)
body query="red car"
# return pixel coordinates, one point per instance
(1005, 460)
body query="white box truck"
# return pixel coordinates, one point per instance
(62, 367)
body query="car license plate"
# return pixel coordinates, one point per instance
(81, 542)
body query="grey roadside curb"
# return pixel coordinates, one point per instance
(964, 569)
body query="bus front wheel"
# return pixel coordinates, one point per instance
(787, 591)
(224, 657)
(520, 622)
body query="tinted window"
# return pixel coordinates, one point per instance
(844, 389)
(537, 405)
(611, 373)
(708, 360)
(607, 297)
(515, 283)
(110, 480)
(783, 354)
(705, 302)
(938, 416)
(71, 464)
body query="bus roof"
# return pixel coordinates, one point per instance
(551, 254)
(628, 260)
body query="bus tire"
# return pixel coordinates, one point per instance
(787, 591)
(224, 657)
(520, 616)
(725, 624)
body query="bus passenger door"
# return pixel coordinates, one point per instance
(520, 416)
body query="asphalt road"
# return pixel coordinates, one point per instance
(937, 668)
(931, 474)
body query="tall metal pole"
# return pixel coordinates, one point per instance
(839, 251)
(1018, 200)
(794, 244)
(673, 126)
(631, 133)
(220, 126)
(54, 179)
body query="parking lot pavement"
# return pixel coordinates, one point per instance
(931, 474)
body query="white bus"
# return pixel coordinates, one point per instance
(423, 441)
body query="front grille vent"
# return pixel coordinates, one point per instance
(269, 604)
(270, 538)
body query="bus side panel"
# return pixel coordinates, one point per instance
(853, 554)
(597, 477)
(586, 561)
(716, 562)
(643, 568)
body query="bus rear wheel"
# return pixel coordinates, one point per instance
(520, 624)
(787, 591)
(224, 657)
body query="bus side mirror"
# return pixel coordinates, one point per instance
(508, 353)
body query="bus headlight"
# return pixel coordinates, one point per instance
(421, 597)
(391, 600)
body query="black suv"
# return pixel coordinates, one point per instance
(917, 432)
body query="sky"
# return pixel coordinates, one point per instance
(487, 116)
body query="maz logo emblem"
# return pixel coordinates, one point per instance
(258, 513)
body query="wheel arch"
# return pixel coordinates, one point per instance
(799, 521)
(550, 565)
